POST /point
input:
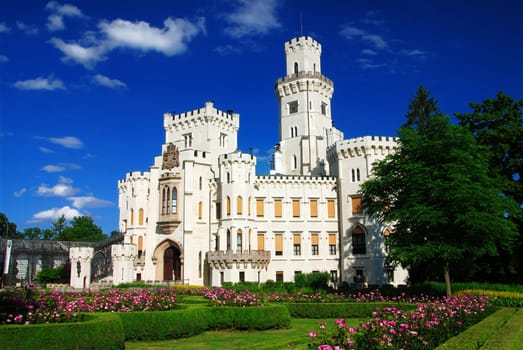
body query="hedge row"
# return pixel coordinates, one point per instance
(333, 310)
(109, 330)
(99, 331)
(509, 337)
(475, 336)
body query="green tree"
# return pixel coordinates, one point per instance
(497, 124)
(436, 193)
(32, 233)
(82, 228)
(59, 226)
(421, 110)
(8, 228)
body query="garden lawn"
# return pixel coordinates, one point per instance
(236, 339)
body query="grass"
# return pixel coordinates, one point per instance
(236, 339)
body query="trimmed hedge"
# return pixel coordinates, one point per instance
(475, 336)
(99, 331)
(153, 325)
(333, 310)
(509, 337)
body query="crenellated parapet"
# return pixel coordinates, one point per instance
(301, 43)
(302, 82)
(238, 158)
(202, 116)
(294, 179)
(363, 146)
(133, 178)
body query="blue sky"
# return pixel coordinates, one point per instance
(84, 84)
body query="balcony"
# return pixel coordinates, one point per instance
(168, 223)
(255, 259)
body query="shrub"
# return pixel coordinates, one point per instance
(52, 275)
(252, 318)
(333, 310)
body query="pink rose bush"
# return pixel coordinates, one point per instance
(391, 328)
(372, 296)
(229, 297)
(53, 307)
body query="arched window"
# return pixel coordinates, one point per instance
(140, 245)
(228, 178)
(228, 239)
(239, 205)
(228, 205)
(314, 67)
(132, 217)
(200, 184)
(239, 240)
(174, 201)
(353, 176)
(294, 162)
(140, 216)
(296, 68)
(200, 210)
(359, 244)
(358, 177)
(249, 206)
(164, 202)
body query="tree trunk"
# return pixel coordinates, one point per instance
(446, 275)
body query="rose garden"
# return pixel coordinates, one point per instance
(139, 316)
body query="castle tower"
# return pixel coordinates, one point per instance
(304, 95)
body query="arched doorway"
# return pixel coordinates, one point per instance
(172, 267)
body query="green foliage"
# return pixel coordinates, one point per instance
(475, 336)
(316, 281)
(332, 310)
(422, 109)
(100, 331)
(509, 337)
(52, 275)
(437, 193)
(83, 229)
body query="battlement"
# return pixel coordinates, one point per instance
(237, 157)
(135, 176)
(361, 146)
(301, 43)
(208, 111)
(301, 179)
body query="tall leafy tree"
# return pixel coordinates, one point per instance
(59, 226)
(82, 228)
(421, 110)
(436, 193)
(497, 124)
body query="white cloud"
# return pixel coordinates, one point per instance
(4, 28)
(54, 213)
(40, 83)
(67, 141)
(368, 52)
(108, 82)
(351, 32)
(64, 188)
(53, 168)
(225, 50)
(58, 12)
(89, 202)
(45, 150)
(415, 52)
(170, 40)
(20, 193)
(252, 17)
(26, 28)
(3, 59)
(87, 56)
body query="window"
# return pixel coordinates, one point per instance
(389, 273)
(386, 234)
(358, 177)
(334, 276)
(223, 140)
(332, 244)
(228, 178)
(323, 108)
(261, 241)
(294, 131)
(200, 183)
(293, 107)
(140, 246)
(140, 216)
(295, 208)
(359, 245)
(174, 207)
(314, 208)
(217, 243)
(228, 205)
(187, 139)
(277, 208)
(297, 244)
(296, 68)
(239, 242)
(359, 276)
(279, 276)
(200, 210)
(239, 205)
(278, 241)
(218, 210)
(228, 240)
(353, 173)
(294, 162)
(242, 276)
(132, 217)
(315, 244)
(331, 209)
(249, 206)
(356, 205)
(200, 264)
(259, 207)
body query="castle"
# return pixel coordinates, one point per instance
(202, 216)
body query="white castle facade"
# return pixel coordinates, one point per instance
(202, 216)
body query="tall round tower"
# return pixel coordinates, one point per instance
(304, 95)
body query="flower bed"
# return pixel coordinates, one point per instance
(22, 307)
(372, 296)
(424, 327)
(230, 297)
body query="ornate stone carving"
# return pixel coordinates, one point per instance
(170, 157)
